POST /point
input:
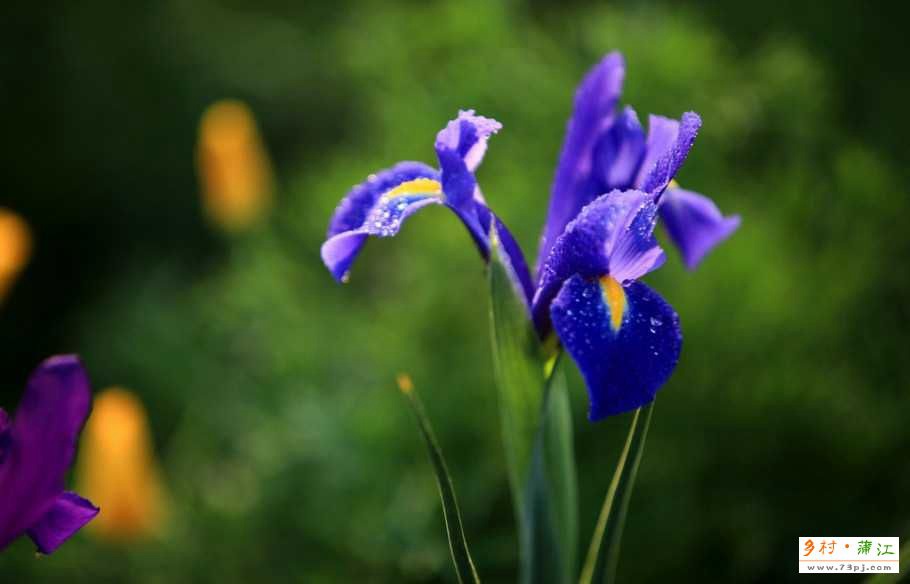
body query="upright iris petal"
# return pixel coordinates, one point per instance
(593, 113)
(605, 150)
(36, 451)
(624, 337)
(619, 152)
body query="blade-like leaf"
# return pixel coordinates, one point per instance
(603, 554)
(458, 543)
(519, 369)
(552, 494)
(537, 435)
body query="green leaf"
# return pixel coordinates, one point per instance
(603, 554)
(458, 543)
(519, 370)
(551, 510)
(537, 435)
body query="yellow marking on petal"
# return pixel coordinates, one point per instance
(615, 298)
(673, 184)
(404, 383)
(418, 186)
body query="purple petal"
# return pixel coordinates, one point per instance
(42, 443)
(503, 243)
(65, 517)
(625, 339)
(668, 146)
(383, 220)
(613, 235)
(619, 152)
(694, 223)
(467, 135)
(357, 204)
(593, 114)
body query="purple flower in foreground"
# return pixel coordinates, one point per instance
(612, 183)
(36, 450)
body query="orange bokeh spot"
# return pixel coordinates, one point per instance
(15, 248)
(234, 171)
(117, 468)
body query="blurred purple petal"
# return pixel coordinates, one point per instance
(66, 516)
(41, 443)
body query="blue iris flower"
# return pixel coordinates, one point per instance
(612, 184)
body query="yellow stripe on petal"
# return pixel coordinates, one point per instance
(418, 186)
(615, 298)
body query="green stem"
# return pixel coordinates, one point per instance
(603, 553)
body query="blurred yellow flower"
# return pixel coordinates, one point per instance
(118, 470)
(15, 248)
(234, 169)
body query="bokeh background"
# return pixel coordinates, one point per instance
(285, 449)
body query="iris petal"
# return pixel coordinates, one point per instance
(353, 209)
(613, 235)
(467, 135)
(67, 515)
(694, 223)
(42, 443)
(383, 220)
(619, 152)
(593, 113)
(623, 366)
(667, 148)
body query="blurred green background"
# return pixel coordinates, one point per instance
(288, 453)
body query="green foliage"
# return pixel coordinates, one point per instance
(603, 553)
(458, 543)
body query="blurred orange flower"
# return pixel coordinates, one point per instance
(234, 170)
(15, 248)
(118, 470)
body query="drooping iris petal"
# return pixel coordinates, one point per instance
(378, 207)
(619, 152)
(467, 135)
(353, 209)
(667, 155)
(613, 235)
(68, 514)
(593, 113)
(41, 443)
(694, 223)
(625, 339)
